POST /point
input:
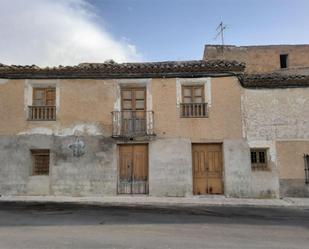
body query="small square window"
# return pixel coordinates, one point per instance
(283, 60)
(40, 162)
(258, 159)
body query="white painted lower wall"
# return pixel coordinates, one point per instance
(170, 167)
(96, 172)
(237, 168)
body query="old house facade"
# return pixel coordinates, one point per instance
(161, 129)
(275, 104)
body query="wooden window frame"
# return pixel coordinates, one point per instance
(45, 110)
(36, 153)
(193, 87)
(258, 165)
(193, 109)
(133, 99)
(45, 89)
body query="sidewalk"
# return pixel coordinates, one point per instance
(144, 201)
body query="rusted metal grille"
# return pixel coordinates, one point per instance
(193, 110)
(40, 162)
(306, 158)
(258, 159)
(42, 113)
(132, 123)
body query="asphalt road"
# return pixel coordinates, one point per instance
(75, 226)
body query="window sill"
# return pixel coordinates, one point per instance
(48, 120)
(195, 117)
(39, 176)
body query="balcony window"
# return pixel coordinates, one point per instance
(193, 102)
(133, 119)
(43, 104)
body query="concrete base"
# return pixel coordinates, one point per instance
(95, 171)
(293, 188)
(134, 201)
(264, 184)
(237, 168)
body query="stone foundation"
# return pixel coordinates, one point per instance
(294, 188)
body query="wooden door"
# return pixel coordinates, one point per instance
(207, 169)
(133, 169)
(133, 107)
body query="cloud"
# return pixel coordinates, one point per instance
(57, 32)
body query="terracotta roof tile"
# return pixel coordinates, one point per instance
(274, 80)
(123, 70)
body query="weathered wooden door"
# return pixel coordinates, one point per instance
(133, 169)
(207, 169)
(133, 105)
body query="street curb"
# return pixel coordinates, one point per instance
(140, 205)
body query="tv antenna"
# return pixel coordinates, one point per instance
(220, 32)
(220, 29)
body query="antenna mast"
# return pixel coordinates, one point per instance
(220, 32)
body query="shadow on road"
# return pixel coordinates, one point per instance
(61, 214)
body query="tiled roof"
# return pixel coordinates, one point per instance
(274, 80)
(124, 70)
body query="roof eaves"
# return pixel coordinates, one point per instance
(274, 80)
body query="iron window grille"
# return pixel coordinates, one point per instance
(258, 159)
(40, 162)
(306, 158)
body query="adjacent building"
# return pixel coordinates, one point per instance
(180, 128)
(283, 59)
(275, 110)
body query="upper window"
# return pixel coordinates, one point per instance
(40, 162)
(44, 96)
(43, 104)
(283, 60)
(193, 103)
(258, 159)
(193, 94)
(133, 99)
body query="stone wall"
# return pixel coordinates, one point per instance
(262, 59)
(271, 114)
(273, 118)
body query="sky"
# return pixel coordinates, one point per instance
(69, 32)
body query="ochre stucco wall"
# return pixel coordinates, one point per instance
(290, 158)
(86, 105)
(224, 119)
(82, 102)
(86, 101)
(12, 115)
